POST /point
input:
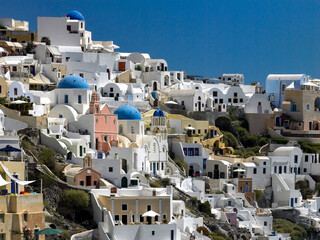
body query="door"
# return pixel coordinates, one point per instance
(211, 133)
(155, 87)
(88, 180)
(216, 171)
(125, 219)
(199, 106)
(122, 66)
(149, 220)
(155, 103)
(154, 168)
(219, 108)
(14, 185)
(32, 70)
(172, 234)
(291, 205)
(124, 182)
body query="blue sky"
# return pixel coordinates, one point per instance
(253, 37)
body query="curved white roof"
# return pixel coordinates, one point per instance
(285, 76)
(284, 151)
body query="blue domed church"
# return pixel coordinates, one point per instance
(130, 123)
(73, 91)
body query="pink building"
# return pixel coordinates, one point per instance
(105, 125)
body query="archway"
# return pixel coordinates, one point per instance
(124, 182)
(317, 104)
(155, 87)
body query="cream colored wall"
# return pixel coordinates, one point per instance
(142, 205)
(14, 168)
(14, 207)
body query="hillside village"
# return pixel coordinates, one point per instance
(96, 143)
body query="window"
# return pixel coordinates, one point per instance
(265, 223)
(308, 107)
(304, 170)
(15, 91)
(2, 218)
(182, 103)
(79, 99)
(264, 163)
(153, 233)
(293, 107)
(66, 98)
(295, 158)
(124, 207)
(132, 129)
(214, 93)
(216, 100)
(241, 100)
(229, 100)
(285, 169)
(275, 169)
(14, 68)
(116, 217)
(254, 171)
(25, 217)
(306, 158)
(0, 88)
(221, 100)
(110, 169)
(235, 95)
(81, 183)
(141, 219)
(111, 89)
(148, 207)
(199, 131)
(81, 24)
(264, 171)
(2, 236)
(296, 200)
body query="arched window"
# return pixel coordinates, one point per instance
(132, 129)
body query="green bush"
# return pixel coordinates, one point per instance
(229, 139)
(47, 157)
(258, 193)
(220, 236)
(284, 226)
(204, 207)
(182, 164)
(74, 199)
(47, 181)
(204, 231)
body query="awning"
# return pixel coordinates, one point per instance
(239, 170)
(42, 78)
(10, 44)
(9, 148)
(54, 51)
(150, 214)
(17, 45)
(20, 182)
(48, 231)
(190, 128)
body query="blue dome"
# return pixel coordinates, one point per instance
(75, 15)
(128, 112)
(158, 113)
(73, 81)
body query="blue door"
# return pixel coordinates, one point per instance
(211, 133)
(14, 185)
(246, 189)
(154, 168)
(291, 202)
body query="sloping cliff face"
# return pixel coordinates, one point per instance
(214, 225)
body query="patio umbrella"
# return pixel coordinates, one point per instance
(48, 231)
(9, 148)
(171, 102)
(150, 214)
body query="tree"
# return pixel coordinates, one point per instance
(74, 199)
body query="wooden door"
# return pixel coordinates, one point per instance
(122, 66)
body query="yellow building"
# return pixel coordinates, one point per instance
(17, 169)
(15, 30)
(197, 131)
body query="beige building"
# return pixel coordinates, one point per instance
(129, 209)
(21, 215)
(300, 118)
